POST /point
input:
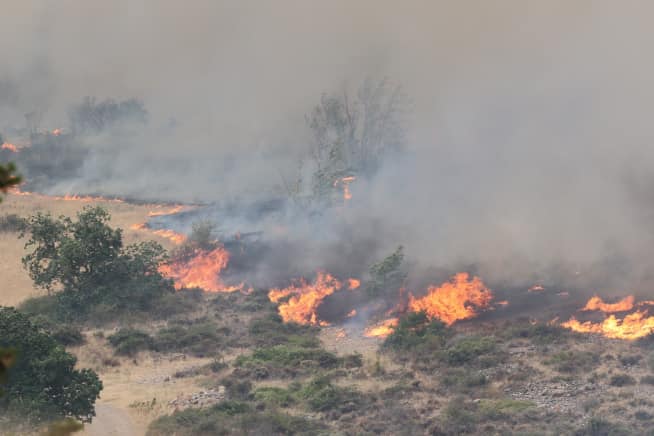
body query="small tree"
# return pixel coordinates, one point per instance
(43, 383)
(8, 177)
(352, 136)
(85, 262)
(386, 276)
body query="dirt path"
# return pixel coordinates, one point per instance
(110, 421)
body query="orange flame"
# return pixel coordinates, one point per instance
(57, 132)
(353, 283)
(381, 329)
(352, 313)
(596, 303)
(345, 183)
(10, 147)
(176, 209)
(201, 271)
(305, 298)
(632, 326)
(536, 288)
(458, 299)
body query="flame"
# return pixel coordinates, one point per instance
(305, 298)
(596, 303)
(454, 300)
(176, 209)
(340, 334)
(536, 288)
(352, 313)
(10, 147)
(345, 183)
(632, 326)
(381, 329)
(57, 132)
(353, 283)
(201, 271)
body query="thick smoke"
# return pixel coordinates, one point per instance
(530, 142)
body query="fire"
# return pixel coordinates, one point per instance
(176, 209)
(458, 299)
(536, 288)
(57, 132)
(305, 298)
(632, 326)
(381, 329)
(354, 283)
(175, 237)
(201, 271)
(596, 303)
(352, 313)
(345, 183)
(10, 147)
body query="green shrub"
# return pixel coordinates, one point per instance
(462, 378)
(68, 335)
(503, 409)
(12, 223)
(573, 361)
(231, 418)
(417, 334)
(201, 339)
(601, 427)
(271, 330)
(274, 396)
(130, 341)
(622, 380)
(289, 356)
(468, 350)
(321, 395)
(539, 333)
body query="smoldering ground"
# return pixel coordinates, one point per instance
(528, 153)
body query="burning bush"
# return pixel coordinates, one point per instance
(418, 334)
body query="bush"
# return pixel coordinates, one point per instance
(418, 334)
(130, 341)
(68, 335)
(87, 260)
(600, 427)
(273, 396)
(320, 395)
(573, 361)
(539, 333)
(271, 330)
(231, 418)
(503, 409)
(12, 223)
(469, 349)
(202, 339)
(647, 380)
(463, 379)
(289, 356)
(42, 366)
(622, 380)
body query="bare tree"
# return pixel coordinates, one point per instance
(352, 136)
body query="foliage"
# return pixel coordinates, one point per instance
(8, 177)
(130, 341)
(271, 330)
(601, 427)
(415, 332)
(622, 380)
(11, 223)
(469, 349)
(43, 383)
(538, 333)
(231, 418)
(200, 339)
(386, 276)
(321, 395)
(86, 263)
(288, 355)
(573, 361)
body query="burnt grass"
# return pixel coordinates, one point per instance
(486, 377)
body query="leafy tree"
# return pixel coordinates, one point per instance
(85, 262)
(8, 177)
(387, 276)
(43, 383)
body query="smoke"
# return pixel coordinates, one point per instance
(529, 153)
